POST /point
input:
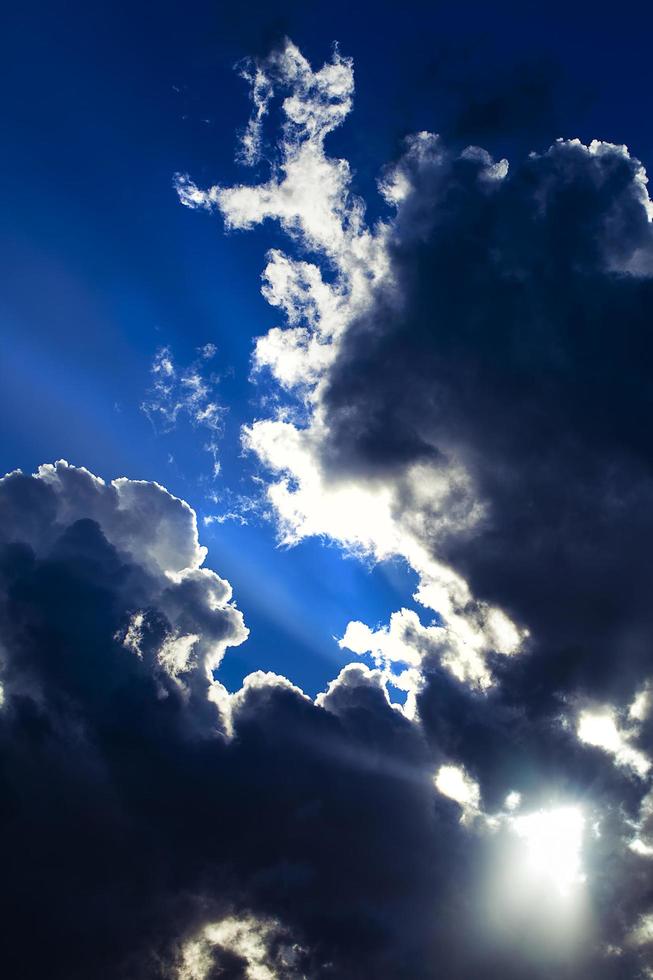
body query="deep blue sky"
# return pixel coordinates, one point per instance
(101, 265)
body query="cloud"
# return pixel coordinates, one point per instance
(141, 543)
(471, 384)
(481, 99)
(185, 393)
(470, 375)
(260, 834)
(260, 945)
(511, 347)
(152, 824)
(600, 728)
(309, 194)
(452, 781)
(474, 378)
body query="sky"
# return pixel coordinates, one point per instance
(325, 573)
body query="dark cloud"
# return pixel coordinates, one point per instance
(129, 820)
(311, 834)
(492, 381)
(516, 341)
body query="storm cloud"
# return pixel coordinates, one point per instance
(473, 376)
(515, 341)
(155, 826)
(464, 385)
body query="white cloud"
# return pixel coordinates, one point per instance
(640, 708)
(454, 782)
(248, 936)
(406, 641)
(601, 729)
(187, 393)
(342, 266)
(175, 652)
(309, 194)
(132, 636)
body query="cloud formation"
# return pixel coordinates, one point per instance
(470, 385)
(473, 373)
(187, 393)
(152, 824)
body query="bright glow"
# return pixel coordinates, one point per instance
(638, 846)
(513, 799)
(639, 709)
(453, 781)
(552, 847)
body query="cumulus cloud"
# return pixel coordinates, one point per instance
(177, 616)
(152, 824)
(191, 832)
(474, 375)
(472, 378)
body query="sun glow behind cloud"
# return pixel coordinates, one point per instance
(547, 858)
(534, 885)
(551, 852)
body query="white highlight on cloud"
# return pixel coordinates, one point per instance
(552, 849)
(454, 782)
(640, 708)
(601, 729)
(513, 800)
(132, 636)
(156, 531)
(175, 652)
(248, 936)
(548, 860)
(406, 642)
(309, 194)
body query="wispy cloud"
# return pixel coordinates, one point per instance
(187, 394)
